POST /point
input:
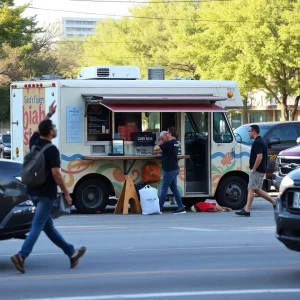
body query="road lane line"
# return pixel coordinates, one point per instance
(140, 273)
(176, 294)
(157, 249)
(226, 230)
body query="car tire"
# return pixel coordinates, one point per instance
(91, 196)
(232, 192)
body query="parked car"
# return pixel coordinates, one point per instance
(5, 146)
(285, 133)
(16, 211)
(286, 161)
(287, 212)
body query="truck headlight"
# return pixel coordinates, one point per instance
(285, 183)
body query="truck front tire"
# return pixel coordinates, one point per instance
(232, 192)
(91, 196)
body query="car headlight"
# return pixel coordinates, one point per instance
(6, 149)
(26, 203)
(285, 183)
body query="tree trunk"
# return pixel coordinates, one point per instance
(284, 109)
(295, 109)
(245, 111)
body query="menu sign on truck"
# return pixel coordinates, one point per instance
(144, 139)
(98, 119)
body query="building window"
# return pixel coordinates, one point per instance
(258, 116)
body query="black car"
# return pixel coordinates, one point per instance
(16, 210)
(5, 146)
(287, 212)
(286, 133)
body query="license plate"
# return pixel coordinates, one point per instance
(296, 202)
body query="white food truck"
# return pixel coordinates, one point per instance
(108, 121)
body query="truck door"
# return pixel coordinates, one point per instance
(196, 145)
(16, 118)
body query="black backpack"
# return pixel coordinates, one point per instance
(34, 171)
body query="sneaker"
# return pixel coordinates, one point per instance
(243, 213)
(19, 264)
(179, 211)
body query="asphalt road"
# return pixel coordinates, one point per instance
(189, 256)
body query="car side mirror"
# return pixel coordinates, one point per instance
(273, 141)
(298, 141)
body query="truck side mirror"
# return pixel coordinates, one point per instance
(222, 127)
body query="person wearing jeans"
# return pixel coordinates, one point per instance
(43, 222)
(170, 168)
(43, 198)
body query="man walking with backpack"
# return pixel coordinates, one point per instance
(43, 197)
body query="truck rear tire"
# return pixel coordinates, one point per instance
(232, 192)
(91, 195)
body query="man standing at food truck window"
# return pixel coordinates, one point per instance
(171, 169)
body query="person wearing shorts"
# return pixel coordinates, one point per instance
(258, 166)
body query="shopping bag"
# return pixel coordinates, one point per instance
(60, 207)
(151, 173)
(149, 200)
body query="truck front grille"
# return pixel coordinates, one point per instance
(290, 161)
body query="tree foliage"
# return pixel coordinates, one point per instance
(256, 43)
(160, 39)
(16, 30)
(260, 51)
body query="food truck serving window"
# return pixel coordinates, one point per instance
(126, 124)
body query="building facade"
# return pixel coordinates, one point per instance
(260, 108)
(72, 26)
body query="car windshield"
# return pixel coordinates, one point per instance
(242, 133)
(6, 139)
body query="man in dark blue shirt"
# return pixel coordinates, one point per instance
(43, 198)
(171, 169)
(258, 167)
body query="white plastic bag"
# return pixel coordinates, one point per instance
(149, 200)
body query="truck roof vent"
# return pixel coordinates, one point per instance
(156, 73)
(103, 72)
(110, 72)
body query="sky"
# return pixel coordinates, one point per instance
(110, 8)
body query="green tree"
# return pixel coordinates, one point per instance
(256, 43)
(155, 36)
(16, 30)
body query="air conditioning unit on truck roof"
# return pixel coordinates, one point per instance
(110, 72)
